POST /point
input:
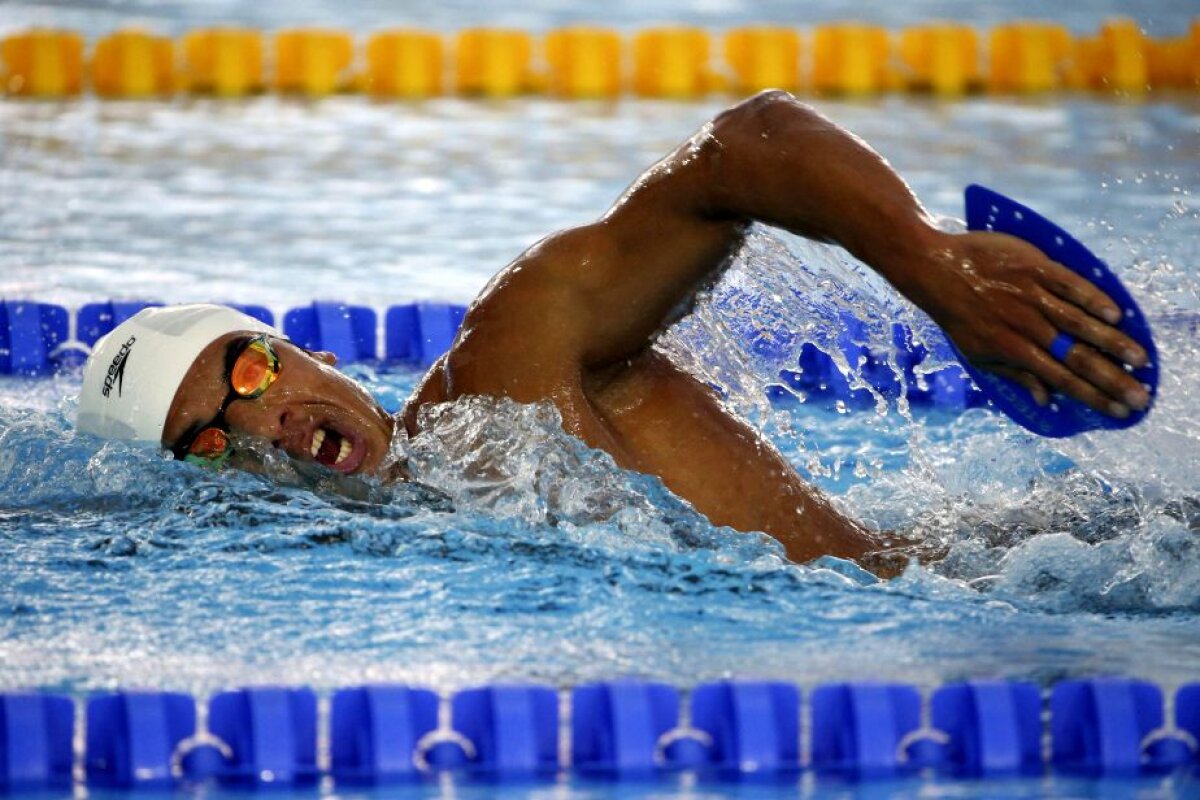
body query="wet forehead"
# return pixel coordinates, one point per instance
(203, 389)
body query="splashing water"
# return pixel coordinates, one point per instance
(1102, 522)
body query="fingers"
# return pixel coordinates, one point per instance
(1080, 291)
(1075, 306)
(1064, 380)
(1085, 375)
(1088, 363)
(1041, 395)
(1106, 381)
(1071, 319)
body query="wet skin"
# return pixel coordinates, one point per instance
(573, 322)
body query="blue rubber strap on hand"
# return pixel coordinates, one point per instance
(1063, 416)
(1062, 345)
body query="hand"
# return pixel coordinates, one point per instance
(1003, 302)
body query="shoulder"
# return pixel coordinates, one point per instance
(527, 328)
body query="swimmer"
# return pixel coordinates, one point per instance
(572, 322)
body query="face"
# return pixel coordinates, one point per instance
(311, 411)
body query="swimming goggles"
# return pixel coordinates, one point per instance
(252, 369)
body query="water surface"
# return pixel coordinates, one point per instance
(118, 567)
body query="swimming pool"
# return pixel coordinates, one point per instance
(117, 569)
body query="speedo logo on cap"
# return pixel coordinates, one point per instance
(116, 370)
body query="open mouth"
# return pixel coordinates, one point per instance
(331, 449)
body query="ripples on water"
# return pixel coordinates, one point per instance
(522, 553)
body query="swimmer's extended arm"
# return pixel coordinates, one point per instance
(775, 160)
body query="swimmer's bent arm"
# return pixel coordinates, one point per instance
(775, 160)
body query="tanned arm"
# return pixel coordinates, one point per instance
(586, 302)
(1001, 300)
(604, 290)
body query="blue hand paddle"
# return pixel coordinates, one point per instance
(1064, 416)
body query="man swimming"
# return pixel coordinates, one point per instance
(572, 322)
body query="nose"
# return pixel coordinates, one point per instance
(283, 425)
(283, 421)
(275, 412)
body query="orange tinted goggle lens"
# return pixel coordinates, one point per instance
(211, 443)
(254, 371)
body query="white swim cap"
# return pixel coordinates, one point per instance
(131, 377)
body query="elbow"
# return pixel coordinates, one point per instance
(760, 116)
(766, 129)
(747, 144)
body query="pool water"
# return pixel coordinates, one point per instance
(120, 568)
(521, 554)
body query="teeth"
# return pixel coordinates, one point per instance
(345, 451)
(318, 440)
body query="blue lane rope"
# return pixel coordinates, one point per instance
(41, 339)
(616, 729)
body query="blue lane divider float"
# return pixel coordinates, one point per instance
(859, 729)
(375, 732)
(132, 737)
(753, 727)
(346, 331)
(35, 741)
(419, 333)
(30, 335)
(1115, 726)
(268, 735)
(616, 727)
(514, 729)
(35, 340)
(992, 728)
(271, 733)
